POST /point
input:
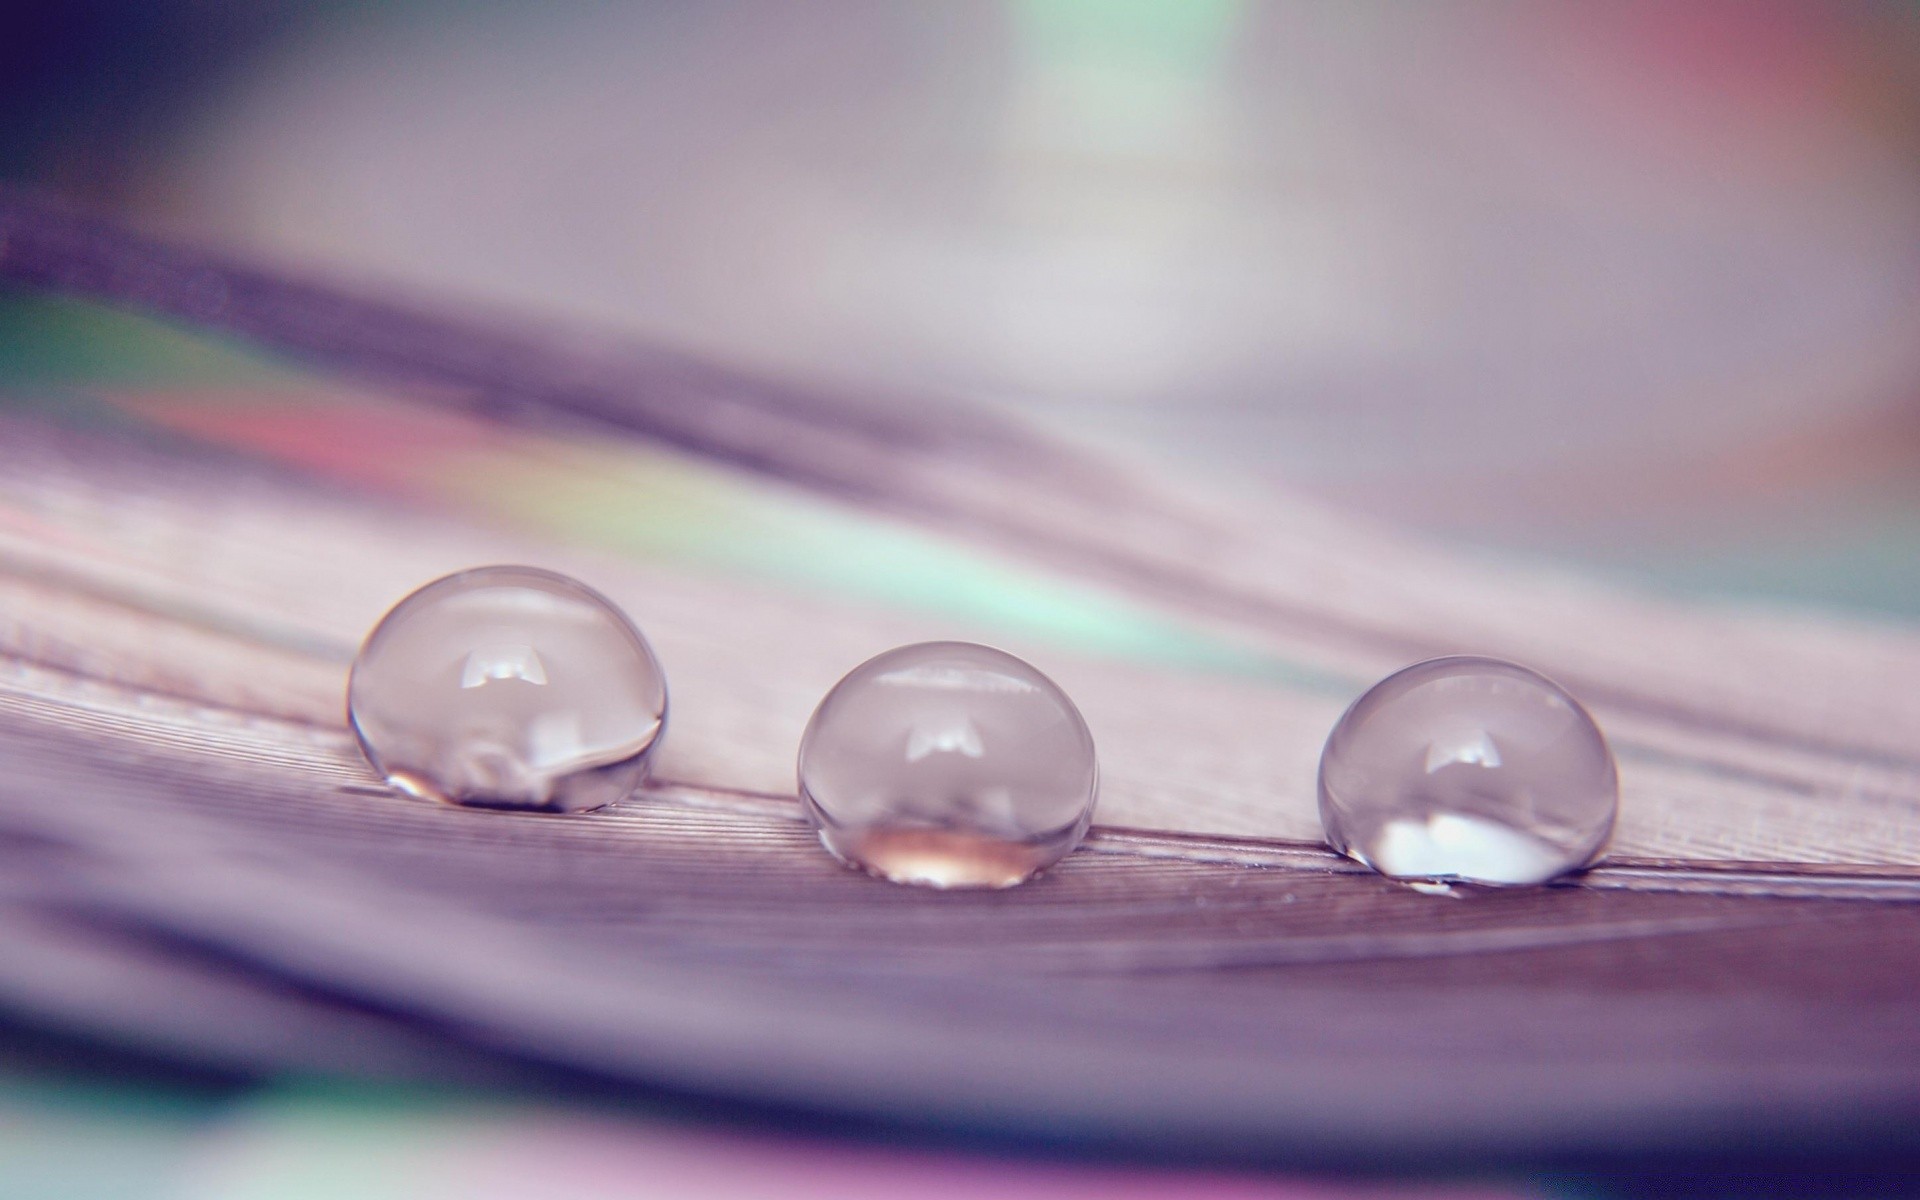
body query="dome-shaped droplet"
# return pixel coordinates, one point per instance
(950, 765)
(508, 687)
(1468, 768)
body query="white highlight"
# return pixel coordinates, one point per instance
(1455, 846)
(946, 739)
(1476, 747)
(506, 660)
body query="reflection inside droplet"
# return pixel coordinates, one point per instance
(512, 661)
(508, 687)
(949, 765)
(1453, 845)
(1468, 768)
(943, 858)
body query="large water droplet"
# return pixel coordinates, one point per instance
(508, 687)
(950, 765)
(1468, 768)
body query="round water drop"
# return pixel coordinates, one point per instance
(949, 765)
(1468, 768)
(508, 687)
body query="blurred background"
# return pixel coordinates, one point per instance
(1633, 287)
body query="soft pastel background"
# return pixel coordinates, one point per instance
(1632, 287)
(1634, 283)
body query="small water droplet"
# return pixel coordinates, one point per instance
(1468, 768)
(508, 687)
(949, 765)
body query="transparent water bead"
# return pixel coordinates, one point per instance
(949, 765)
(1468, 768)
(508, 687)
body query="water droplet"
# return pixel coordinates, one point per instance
(508, 687)
(949, 765)
(1468, 768)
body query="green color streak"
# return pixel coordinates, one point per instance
(1191, 36)
(1866, 562)
(338, 1139)
(667, 509)
(59, 356)
(69, 1141)
(55, 343)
